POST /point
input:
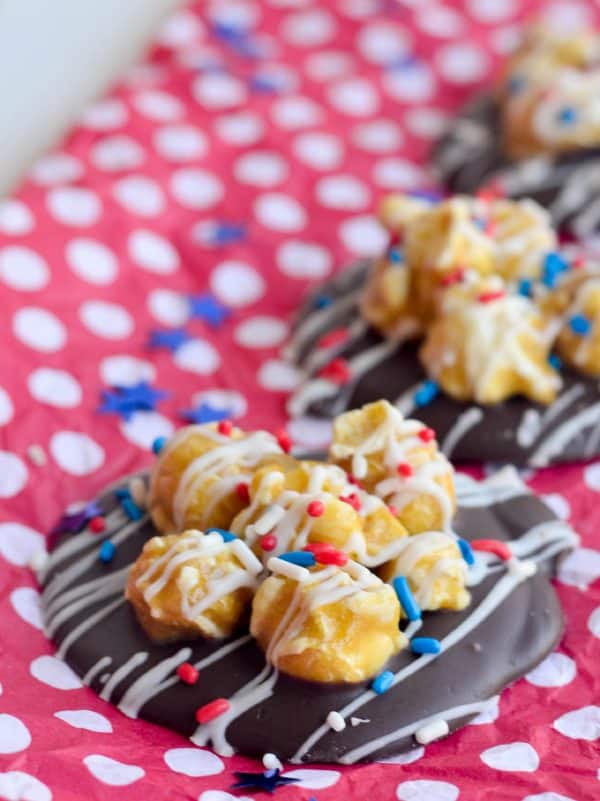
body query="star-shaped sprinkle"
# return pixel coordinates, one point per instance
(171, 339)
(74, 522)
(205, 413)
(207, 308)
(268, 781)
(124, 401)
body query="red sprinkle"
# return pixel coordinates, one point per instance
(243, 492)
(487, 297)
(188, 673)
(337, 371)
(353, 480)
(268, 542)
(353, 499)
(490, 228)
(315, 508)
(498, 548)
(284, 440)
(212, 710)
(319, 547)
(578, 263)
(393, 509)
(225, 427)
(336, 337)
(405, 470)
(97, 524)
(331, 557)
(426, 434)
(492, 191)
(454, 277)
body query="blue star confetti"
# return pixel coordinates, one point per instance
(171, 339)
(268, 781)
(74, 522)
(124, 401)
(205, 413)
(206, 307)
(239, 40)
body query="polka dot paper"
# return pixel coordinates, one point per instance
(192, 208)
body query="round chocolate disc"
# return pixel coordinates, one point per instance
(513, 621)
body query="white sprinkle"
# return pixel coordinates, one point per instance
(359, 465)
(271, 762)
(38, 561)
(288, 569)
(137, 488)
(432, 731)
(246, 557)
(336, 721)
(270, 517)
(37, 455)
(357, 721)
(521, 568)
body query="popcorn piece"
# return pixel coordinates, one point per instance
(578, 342)
(338, 625)
(399, 461)
(192, 585)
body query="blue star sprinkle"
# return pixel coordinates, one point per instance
(555, 361)
(322, 301)
(567, 115)
(171, 339)
(74, 522)
(219, 232)
(205, 413)
(124, 401)
(554, 265)
(268, 781)
(264, 85)
(207, 308)
(238, 39)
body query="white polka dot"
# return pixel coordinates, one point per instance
(279, 212)
(314, 779)
(278, 376)
(197, 356)
(23, 269)
(106, 320)
(355, 97)
(425, 790)
(40, 329)
(559, 505)
(405, 759)
(237, 14)
(143, 428)
(440, 21)
(152, 252)
(511, 757)
(14, 784)
(85, 719)
(180, 29)
(567, 17)
(18, 543)
(158, 106)
(328, 65)
(556, 670)
(144, 74)
(243, 128)
(6, 407)
(14, 734)
(180, 143)
(361, 9)
(310, 28)
(13, 474)
(15, 217)
(112, 772)
(261, 168)
(220, 795)
(72, 205)
(412, 83)
(462, 62)
(193, 762)
(237, 284)
(303, 259)
(196, 189)
(505, 40)
(322, 151)
(125, 371)
(310, 432)
(580, 724)
(140, 195)
(383, 43)
(296, 112)
(76, 453)
(218, 91)
(92, 261)
(378, 136)
(549, 796)
(261, 332)
(591, 476)
(235, 403)
(168, 307)
(580, 568)
(55, 387)
(342, 192)
(26, 603)
(594, 622)
(55, 673)
(428, 123)
(56, 168)
(492, 10)
(115, 153)
(489, 714)
(398, 174)
(105, 115)
(364, 235)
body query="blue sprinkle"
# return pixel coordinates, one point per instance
(107, 551)
(132, 511)
(158, 444)
(555, 361)
(567, 115)
(480, 222)
(525, 287)
(426, 393)
(466, 551)
(396, 256)
(227, 535)
(382, 683)
(122, 493)
(406, 598)
(554, 265)
(322, 301)
(425, 645)
(516, 84)
(302, 558)
(580, 325)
